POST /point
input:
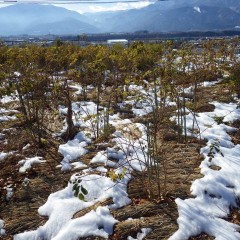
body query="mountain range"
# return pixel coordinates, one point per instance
(173, 15)
(37, 19)
(162, 16)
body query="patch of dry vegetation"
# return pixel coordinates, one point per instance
(179, 157)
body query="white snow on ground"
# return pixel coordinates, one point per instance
(73, 149)
(26, 146)
(190, 89)
(99, 187)
(135, 150)
(4, 155)
(102, 187)
(5, 115)
(217, 190)
(78, 165)
(27, 163)
(141, 235)
(7, 99)
(99, 222)
(142, 100)
(211, 83)
(60, 208)
(7, 118)
(2, 230)
(5, 111)
(84, 116)
(77, 87)
(95, 223)
(205, 125)
(142, 109)
(102, 157)
(9, 190)
(229, 111)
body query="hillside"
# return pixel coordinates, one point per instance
(172, 16)
(39, 19)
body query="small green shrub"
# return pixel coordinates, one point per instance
(218, 119)
(214, 148)
(79, 191)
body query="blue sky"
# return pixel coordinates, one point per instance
(91, 7)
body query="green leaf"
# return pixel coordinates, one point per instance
(84, 190)
(81, 197)
(217, 149)
(77, 190)
(75, 186)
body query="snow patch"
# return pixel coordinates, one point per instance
(2, 230)
(197, 9)
(141, 235)
(217, 190)
(98, 222)
(95, 223)
(7, 99)
(27, 163)
(4, 155)
(73, 149)
(7, 118)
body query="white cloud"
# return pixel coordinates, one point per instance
(92, 7)
(117, 6)
(4, 5)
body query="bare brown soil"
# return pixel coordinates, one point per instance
(181, 163)
(160, 214)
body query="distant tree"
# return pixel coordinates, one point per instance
(235, 76)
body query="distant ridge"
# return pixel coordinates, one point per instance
(173, 15)
(37, 19)
(162, 16)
